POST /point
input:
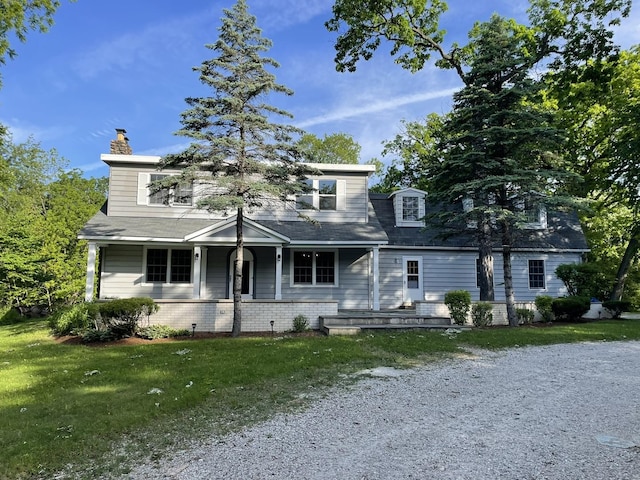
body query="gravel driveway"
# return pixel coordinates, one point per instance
(559, 412)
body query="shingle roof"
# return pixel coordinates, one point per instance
(563, 232)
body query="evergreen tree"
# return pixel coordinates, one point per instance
(501, 149)
(246, 159)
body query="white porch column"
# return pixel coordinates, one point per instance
(91, 272)
(376, 277)
(279, 259)
(197, 262)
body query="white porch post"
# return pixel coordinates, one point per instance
(197, 262)
(91, 272)
(279, 259)
(376, 277)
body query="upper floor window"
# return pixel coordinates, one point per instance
(411, 209)
(314, 268)
(166, 265)
(180, 195)
(327, 195)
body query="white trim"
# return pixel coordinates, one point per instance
(342, 167)
(196, 274)
(279, 261)
(313, 284)
(91, 272)
(544, 274)
(109, 158)
(335, 243)
(247, 256)
(375, 254)
(222, 225)
(405, 287)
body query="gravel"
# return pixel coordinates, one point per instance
(557, 412)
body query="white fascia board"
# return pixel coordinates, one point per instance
(315, 243)
(216, 227)
(475, 249)
(342, 167)
(110, 158)
(410, 190)
(110, 239)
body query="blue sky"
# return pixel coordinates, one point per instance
(110, 64)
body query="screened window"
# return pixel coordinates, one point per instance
(327, 190)
(410, 209)
(183, 194)
(536, 274)
(168, 265)
(305, 202)
(314, 268)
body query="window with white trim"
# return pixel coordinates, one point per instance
(410, 209)
(314, 267)
(536, 274)
(327, 195)
(180, 195)
(167, 265)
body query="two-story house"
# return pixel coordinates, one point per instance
(367, 251)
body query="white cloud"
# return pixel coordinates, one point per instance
(375, 107)
(21, 131)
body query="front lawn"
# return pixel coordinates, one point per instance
(103, 407)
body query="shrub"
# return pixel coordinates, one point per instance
(121, 316)
(92, 335)
(10, 316)
(525, 316)
(543, 305)
(616, 307)
(152, 332)
(482, 314)
(71, 320)
(584, 279)
(300, 323)
(459, 303)
(570, 308)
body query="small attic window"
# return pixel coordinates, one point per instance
(410, 209)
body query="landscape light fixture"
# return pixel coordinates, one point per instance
(193, 329)
(272, 323)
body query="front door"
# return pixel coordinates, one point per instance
(247, 275)
(411, 279)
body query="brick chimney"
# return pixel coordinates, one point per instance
(120, 146)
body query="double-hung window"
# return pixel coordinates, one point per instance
(324, 196)
(167, 265)
(178, 195)
(536, 274)
(161, 197)
(314, 268)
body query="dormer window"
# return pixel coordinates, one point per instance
(409, 207)
(179, 196)
(535, 214)
(327, 195)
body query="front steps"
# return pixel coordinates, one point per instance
(353, 322)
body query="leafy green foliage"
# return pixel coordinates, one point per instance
(121, 317)
(42, 208)
(584, 279)
(300, 323)
(570, 308)
(71, 320)
(617, 307)
(525, 316)
(482, 314)
(459, 303)
(153, 332)
(334, 148)
(543, 305)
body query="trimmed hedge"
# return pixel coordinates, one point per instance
(459, 303)
(616, 307)
(570, 308)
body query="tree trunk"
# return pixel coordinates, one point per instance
(509, 296)
(237, 277)
(625, 264)
(485, 252)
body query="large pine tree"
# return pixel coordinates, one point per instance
(247, 159)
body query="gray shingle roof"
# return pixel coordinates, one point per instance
(563, 232)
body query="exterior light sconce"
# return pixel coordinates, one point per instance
(197, 256)
(279, 257)
(193, 329)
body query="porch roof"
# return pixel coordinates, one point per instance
(103, 228)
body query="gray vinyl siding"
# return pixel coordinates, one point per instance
(449, 270)
(353, 286)
(122, 276)
(123, 199)
(217, 275)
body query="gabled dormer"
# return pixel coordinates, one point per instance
(409, 207)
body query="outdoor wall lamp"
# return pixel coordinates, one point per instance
(197, 256)
(193, 329)
(279, 257)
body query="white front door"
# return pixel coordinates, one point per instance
(247, 274)
(411, 279)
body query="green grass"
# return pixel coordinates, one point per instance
(90, 407)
